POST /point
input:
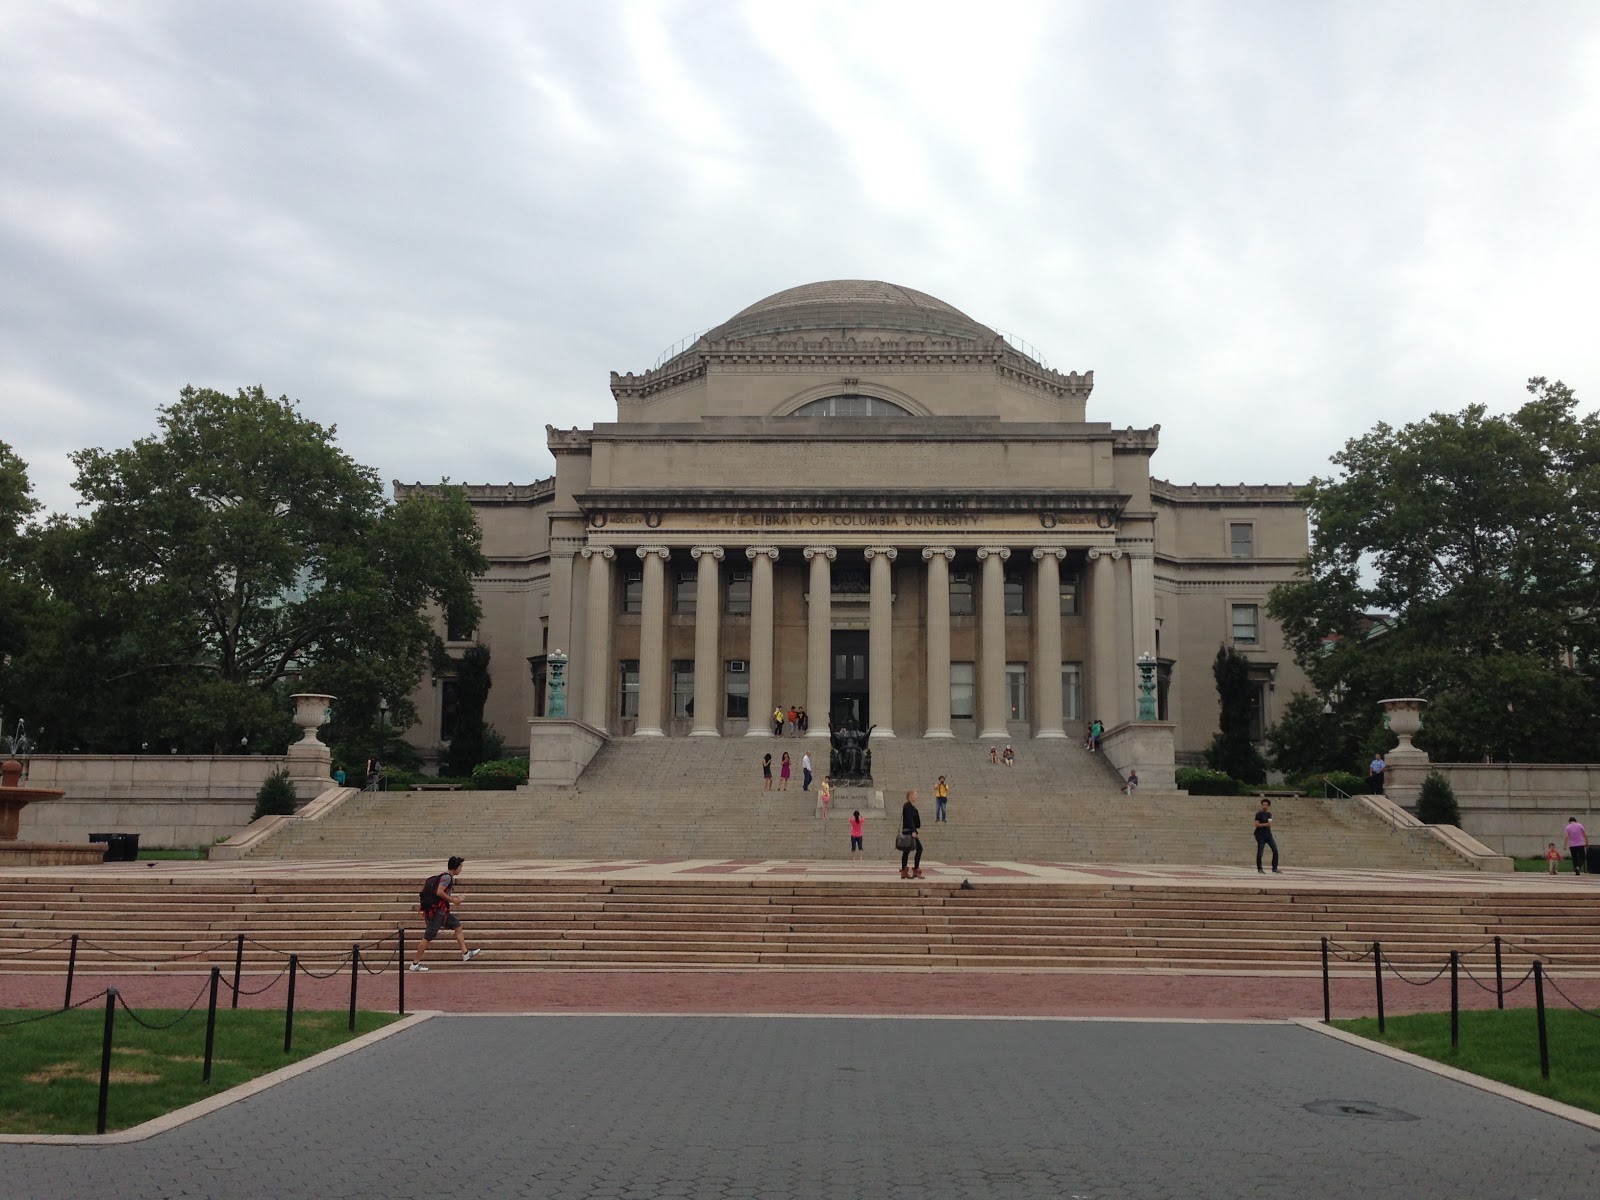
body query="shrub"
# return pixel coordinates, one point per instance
(1317, 785)
(499, 775)
(1436, 803)
(397, 780)
(1201, 781)
(276, 797)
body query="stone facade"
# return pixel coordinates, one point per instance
(853, 497)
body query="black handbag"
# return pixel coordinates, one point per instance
(904, 841)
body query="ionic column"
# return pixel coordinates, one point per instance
(1144, 602)
(880, 641)
(707, 662)
(992, 643)
(819, 638)
(652, 641)
(938, 560)
(1047, 641)
(1102, 636)
(761, 559)
(597, 663)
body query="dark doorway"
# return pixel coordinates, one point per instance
(848, 684)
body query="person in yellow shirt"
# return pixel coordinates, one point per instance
(941, 795)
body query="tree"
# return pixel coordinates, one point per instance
(18, 598)
(1455, 559)
(235, 557)
(472, 695)
(1231, 749)
(1436, 802)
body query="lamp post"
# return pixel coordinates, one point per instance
(1147, 686)
(558, 683)
(383, 740)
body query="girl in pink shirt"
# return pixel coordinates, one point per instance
(856, 852)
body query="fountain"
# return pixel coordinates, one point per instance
(15, 853)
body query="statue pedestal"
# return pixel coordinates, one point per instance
(559, 748)
(1148, 747)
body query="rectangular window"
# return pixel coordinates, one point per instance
(963, 692)
(1069, 596)
(736, 689)
(628, 705)
(685, 592)
(632, 591)
(1241, 539)
(1016, 691)
(1072, 691)
(962, 601)
(1245, 624)
(738, 594)
(1258, 710)
(1016, 594)
(458, 630)
(682, 688)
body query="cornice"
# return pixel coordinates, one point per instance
(1289, 495)
(540, 491)
(970, 500)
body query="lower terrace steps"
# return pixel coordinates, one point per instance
(131, 924)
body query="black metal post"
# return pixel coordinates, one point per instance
(400, 971)
(72, 969)
(1538, 1000)
(1499, 976)
(1327, 1000)
(1377, 973)
(105, 1059)
(211, 1022)
(355, 975)
(1455, 1000)
(288, 1012)
(238, 966)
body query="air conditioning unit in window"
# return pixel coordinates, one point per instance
(736, 666)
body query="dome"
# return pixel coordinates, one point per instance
(848, 305)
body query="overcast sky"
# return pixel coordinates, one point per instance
(1265, 226)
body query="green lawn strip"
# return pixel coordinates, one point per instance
(50, 1070)
(179, 854)
(1504, 1046)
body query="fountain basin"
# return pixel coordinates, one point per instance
(17, 853)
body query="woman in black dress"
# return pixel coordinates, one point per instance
(911, 823)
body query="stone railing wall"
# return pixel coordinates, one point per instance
(1515, 808)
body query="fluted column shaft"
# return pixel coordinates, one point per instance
(597, 662)
(992, 643)
(1144, 604)
(652, 641)
(1047, 641)
(938, 560)
(1102, 636)
(819, 638)
(707, 660)
(880, 641)
(761, 560)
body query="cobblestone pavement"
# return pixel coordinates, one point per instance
(653, 1107)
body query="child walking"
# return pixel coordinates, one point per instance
(856, 851)
(1552, 858)
(825, 796)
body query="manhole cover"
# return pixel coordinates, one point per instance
(1361, 1110)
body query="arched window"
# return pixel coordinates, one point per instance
(850, 406)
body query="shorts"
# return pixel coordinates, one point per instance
(855, 843)
(438, 921)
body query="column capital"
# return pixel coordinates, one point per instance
(663, 552)
(827, 552)
(1111, 552)
(1000, 552)
(754, 552)
(1056, 552)
(598, 552)
(948, 553)
(697, 552)
(872, 552)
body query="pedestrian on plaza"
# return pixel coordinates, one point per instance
(1009, 757)
(766, 772)
(1096, 732)
(1375, 771)
(1264, 836)
(805, 771)
(777, 722)
(783, 773)
(994, 754)
(941, 797)
(438, 896)
(1132, 785)
(1553, 857)
(825, 796)
(1578, 847)
(857, 848)
(338, 776)
(910, 837)
(803, 723)
(792, 725)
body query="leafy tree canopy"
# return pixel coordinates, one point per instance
(1475, 537)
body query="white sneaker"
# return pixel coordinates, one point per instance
(471, 954)
(416, 967)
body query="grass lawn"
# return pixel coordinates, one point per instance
(50, 1070)
(178, 854)
(1504, 1046)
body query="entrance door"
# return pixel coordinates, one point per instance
(848, 685)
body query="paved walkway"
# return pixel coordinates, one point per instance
(582, 1108)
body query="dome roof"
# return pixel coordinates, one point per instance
(847, 305)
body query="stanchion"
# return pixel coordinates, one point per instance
(1499, 976)
(1455, 1000)
(238, 966)
(1377, 972)
(1538, 1000)
(211, 1023)
(400, 968)
(288, 1012)
(72, 969)
(355, 975)
(1327, 1000)
(105, 1059)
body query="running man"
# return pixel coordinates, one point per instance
(439, 916)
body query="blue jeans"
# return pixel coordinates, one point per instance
(938, 808)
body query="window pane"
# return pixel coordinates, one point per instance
(1017, 691)
(628, 705)
(963, 704)
(685, 592)
(736, 689)
(1244, 622)
(1241, 540)
(1016, 590)
(1072, 691)
(1069, 596)
(961, 594)
(738, 593)
(633, 591)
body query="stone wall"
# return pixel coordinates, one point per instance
(1515, 808)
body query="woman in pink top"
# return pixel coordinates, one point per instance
(783, 773)
(1578, 847)
(856, 852)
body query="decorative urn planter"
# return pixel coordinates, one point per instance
(1404, 716)
(311, 713)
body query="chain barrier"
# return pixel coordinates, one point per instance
(384, 965)
(145, 958)
(338, 968)
(138, 1020)
(244, 991)
(35, 950)
(1344, 954)
(54, 1012)
(1396, 972)
(1585, 1011)
(1503, 991)
(1531, 953)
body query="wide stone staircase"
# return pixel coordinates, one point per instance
(176, 922)
(702, 798)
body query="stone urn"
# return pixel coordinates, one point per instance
(1404, 716)
(311, 713)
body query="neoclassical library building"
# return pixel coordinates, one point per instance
(854, 499)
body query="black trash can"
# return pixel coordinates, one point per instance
(120, 847)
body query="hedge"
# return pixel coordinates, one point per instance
(501, 774)
(1201, 781)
